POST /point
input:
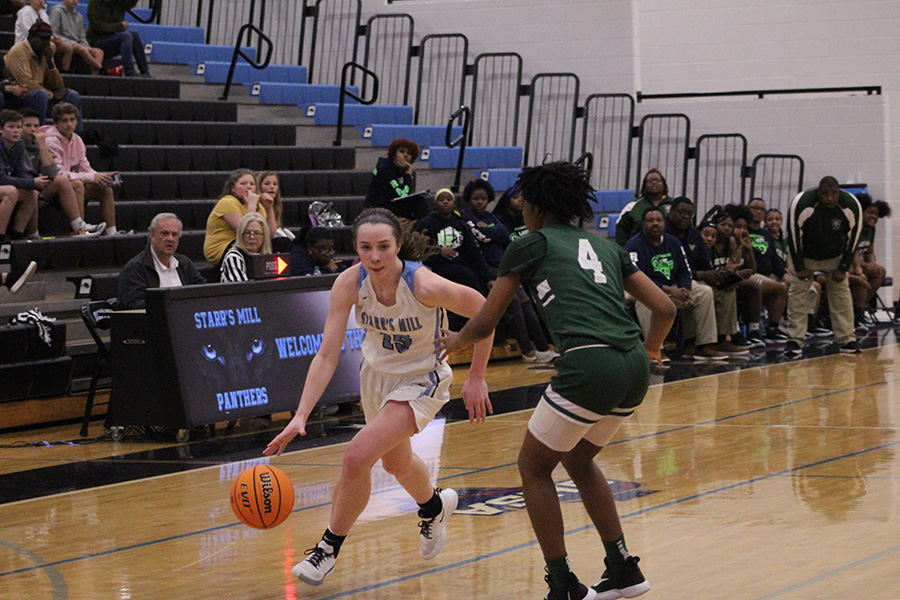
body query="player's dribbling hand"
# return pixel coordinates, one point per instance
(446, 344)
(295, 427)
(475, 397)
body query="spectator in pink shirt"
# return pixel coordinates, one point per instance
(67, 149)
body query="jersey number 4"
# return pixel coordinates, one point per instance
(398, 342)
(588, 260)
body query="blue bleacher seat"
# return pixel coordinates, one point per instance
(188, 54)
(611, 226)
(381, 134)
(500, 179)
(301, 94)
(477, 156)
(217, 72)
(611, 201)
(326, 113)
(169, 33)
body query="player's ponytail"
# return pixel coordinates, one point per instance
(413, 245)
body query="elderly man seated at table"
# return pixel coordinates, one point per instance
(158, 265)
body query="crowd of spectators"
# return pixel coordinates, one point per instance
(738, 261)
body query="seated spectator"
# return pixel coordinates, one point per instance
(771, 276)
(493, 238)
(59, 192)
(654, 192)
(108, 30)
(749, 293)
(678, 224)
(458, 257)
(252, 238)
(18, 190)
(67, 149)
(313, 253)
(35, 11)
(239, 197)
(509, 212)
(393, 186)
(732, 255)
(866, 276)
(267, 183)
(158, 265)
(68, 25)
(30, 64)
(774, 222)
(14, 280)
(660, 256)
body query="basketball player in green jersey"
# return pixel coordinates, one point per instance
(578, 282)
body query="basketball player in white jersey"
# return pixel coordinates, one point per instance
(403, 384)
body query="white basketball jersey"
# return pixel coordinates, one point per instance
(399, 338)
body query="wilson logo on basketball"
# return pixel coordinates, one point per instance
(495, 501)
(266, 487)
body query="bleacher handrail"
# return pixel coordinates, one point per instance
(383, 56)
(461, 140)
(782, 203)
(868, 89)
(608, 142)
(247, 27)
(585, 161)
(345, 91)
(731, 142)
(155, 6)
(557, 129)
(494, 103)
(682, 182)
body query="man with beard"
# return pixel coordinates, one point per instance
(661, 257)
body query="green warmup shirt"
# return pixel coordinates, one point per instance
(577, 281)
(866, 239)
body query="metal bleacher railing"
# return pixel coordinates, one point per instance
(246, 29)
(325, 35)
(465, 115)
(346, 92)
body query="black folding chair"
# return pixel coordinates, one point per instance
(96, 316)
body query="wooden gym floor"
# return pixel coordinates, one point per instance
(756, 480)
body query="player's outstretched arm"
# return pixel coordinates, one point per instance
(662, 311)
(437, 291)
(343, 297)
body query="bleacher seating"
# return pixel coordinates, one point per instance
(217, 72)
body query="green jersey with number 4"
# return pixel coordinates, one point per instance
(577, 281)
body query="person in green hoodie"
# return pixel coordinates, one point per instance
(654, 192)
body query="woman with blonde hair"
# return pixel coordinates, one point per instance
(239, 197)
(252, 238)
(268, 182)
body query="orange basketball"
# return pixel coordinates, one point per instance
(262, 496)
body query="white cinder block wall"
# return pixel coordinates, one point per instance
(665, 46)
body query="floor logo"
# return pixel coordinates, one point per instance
(495, 501)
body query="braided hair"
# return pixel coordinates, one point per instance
(560, 189)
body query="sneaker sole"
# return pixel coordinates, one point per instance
(710, 358)
(443, 538)
(630, 592)
(849, 351)
(308, 580)
(23, 279)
